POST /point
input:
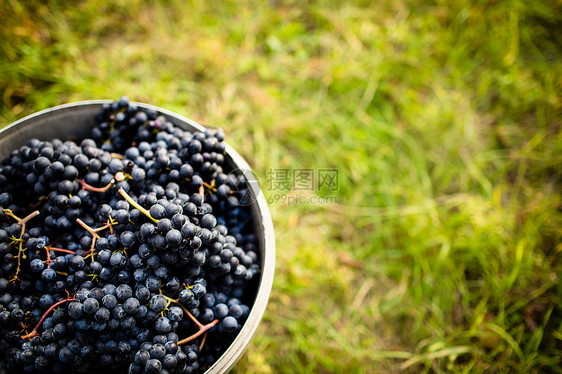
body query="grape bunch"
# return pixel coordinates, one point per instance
(129, 250)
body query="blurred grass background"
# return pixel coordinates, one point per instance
(443, 251)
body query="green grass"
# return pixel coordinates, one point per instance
(443, 251)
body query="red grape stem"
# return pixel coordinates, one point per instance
(94, 233)
(202, 328)
(202, 193)
(60, 250)
(35, 332)
(203, 340)
(198, 333)
(86, 186)
(50, 248)
(211, 187)
(21, 221)
(48, 258)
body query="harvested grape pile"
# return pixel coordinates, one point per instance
(129, 250)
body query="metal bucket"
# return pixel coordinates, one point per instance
(75, 120)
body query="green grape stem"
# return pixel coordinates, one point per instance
(136, 205)
(21, 221)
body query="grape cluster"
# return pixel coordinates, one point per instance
(129, 250)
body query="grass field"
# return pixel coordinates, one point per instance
(441, 249)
